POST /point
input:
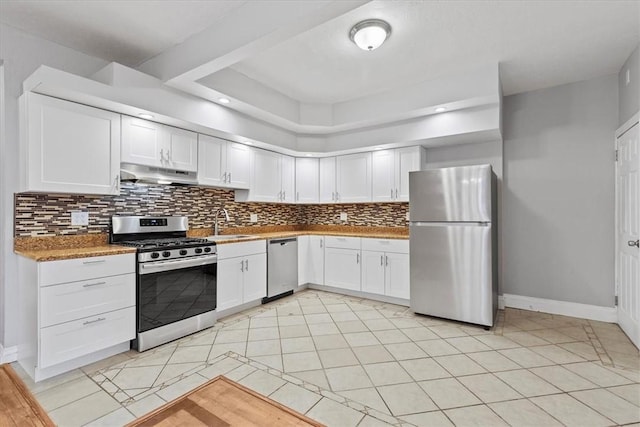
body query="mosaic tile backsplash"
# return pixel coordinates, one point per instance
(50, 214)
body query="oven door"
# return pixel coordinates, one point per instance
(169, 291)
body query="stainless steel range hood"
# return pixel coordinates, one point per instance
(153, 175)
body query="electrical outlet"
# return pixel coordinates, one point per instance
(343, 216)
(253, 217)
(79, 218)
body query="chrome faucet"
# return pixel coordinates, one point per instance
(215, 220)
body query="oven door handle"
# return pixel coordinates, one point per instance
(157, 267)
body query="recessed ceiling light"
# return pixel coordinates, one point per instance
(145, 116)
(370, 33)
(224, 100)
(308, 155)
(441, 110)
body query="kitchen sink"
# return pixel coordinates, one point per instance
(227, 237)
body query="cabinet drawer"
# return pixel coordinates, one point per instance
(76, 300)
(69, 340)
(232, 250)
(400, 246)
(74, 270)
(342, 242)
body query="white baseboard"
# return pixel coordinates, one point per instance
(573, 309)
(8, 354)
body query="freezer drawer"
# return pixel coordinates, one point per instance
(451, 272)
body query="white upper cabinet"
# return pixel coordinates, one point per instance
(223, 163)
(307, 180)
(69, 147)
(390, 171)
(328, 180)
(353, 178)
(272, 180)
(153, 144)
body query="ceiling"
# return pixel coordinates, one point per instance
(285, 53)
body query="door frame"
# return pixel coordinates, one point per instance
(619, 132)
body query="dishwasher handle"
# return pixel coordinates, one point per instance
(283, 241)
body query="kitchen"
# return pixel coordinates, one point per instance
(527, 198)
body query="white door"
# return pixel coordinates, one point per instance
(628, 196)
(407, 160)
(307, 180)
(373, 272)
(288, 179)
(255, 277)
(238, 165)
(229, 283)
(315, 264)
(342, 268)
(353, 178)
(266, 177)
(383, 175)
(210, 164)
(142, 142)
(328, 180)
(72, 148)
(396, 275)
(181, 149)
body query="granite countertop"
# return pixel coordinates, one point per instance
(53, 248)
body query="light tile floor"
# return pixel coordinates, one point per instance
(348, 361)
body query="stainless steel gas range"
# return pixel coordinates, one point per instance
(176, 277)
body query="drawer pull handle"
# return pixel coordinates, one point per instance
(99, 261)
(89, 322)
(88, 285)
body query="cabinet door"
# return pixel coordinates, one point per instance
(307, 180)
(373, 272)
(230, 277)
(303, 259)
(397, 275)
(328, 180)
(266, 177)
(181, 149)
(288, 178)
(255, 277)
(342, 268)
(143, 142)
(407, 160)
(383, 176)
(210, 161)
(353, 178)
(238, 165)
(315, 260)
(71, 148)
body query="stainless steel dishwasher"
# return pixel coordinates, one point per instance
(282, 268)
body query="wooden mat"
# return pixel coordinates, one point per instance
(18, 407)
(221, 403)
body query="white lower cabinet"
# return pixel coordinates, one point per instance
(310, 260)
(74, 312)
(342, 262)
(242, 273)
(385, 267)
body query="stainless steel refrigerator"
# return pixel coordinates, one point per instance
(453, 243)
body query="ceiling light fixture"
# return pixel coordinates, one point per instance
(224, 100)
(145, 116)
(370, 33)
(441, 110)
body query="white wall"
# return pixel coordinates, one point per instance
(558, 192)
(629, 94)
(22, 54)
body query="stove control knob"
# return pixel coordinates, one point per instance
(166, 254)
(198, 250)
(207, 249)
(183, 251)
(155, 255)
